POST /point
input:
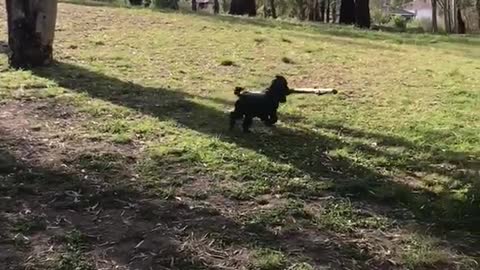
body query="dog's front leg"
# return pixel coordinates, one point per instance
(272, 119)
(234, 116)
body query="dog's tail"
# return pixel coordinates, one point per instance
(238, 90)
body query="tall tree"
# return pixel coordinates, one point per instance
(273, 10)
(313, 10)
(327, 15)
(243, 7)
(216, 7)
(362, 13)
(322, 10)
(135, 2)
(434, 16)
(478, 13)
(31, 31)
(446, 15)
(461, 28)
(194, 5)
(334, 11)
(347, 12)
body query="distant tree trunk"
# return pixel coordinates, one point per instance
(453, 16)
(362, 13)
(478, 13)
(334, 11)
(194, 5)
(243, 7)
(327, 17)
(321, 16)
(135, 2)
(273, 10)
(251, 7)
(461, 28)
(446, 15)
(434, 16)
(216, 7)
(31, 31)
(225, 6)
(313, 14)
(347, 12)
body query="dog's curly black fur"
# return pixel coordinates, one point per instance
(262, 105)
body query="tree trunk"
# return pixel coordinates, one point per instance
(225, 7)
(273, 10)
(216, 7)
(194, 5)
(362, 13)
(478, 14)
(313, 14)
(135, 2)
(334, 11)
(434, 16)
(347, 12)
(322, 10)
(446, 15)
(31, 31)
(327, 17)
(243, 7)
(461, 28)
(453, 16)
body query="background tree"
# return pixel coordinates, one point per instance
(434, 16)
(478, 13)
(362, 13)
(322, 10)
(313, 10)
(243, 7)
(334, 11)
(194, 5)
(216, 7)
(327, 15)
(273, 10)
(461, 27)
(347, 12)
(31, 30)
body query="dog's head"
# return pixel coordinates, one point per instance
(279, 89)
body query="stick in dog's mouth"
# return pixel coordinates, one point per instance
(317, 91)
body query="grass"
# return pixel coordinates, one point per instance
(268, 260)
(387, 170)
(74, 257)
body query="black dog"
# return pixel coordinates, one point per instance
(262, 105)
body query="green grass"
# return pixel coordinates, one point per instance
(399, 145)
(74, 257)
(268, 260)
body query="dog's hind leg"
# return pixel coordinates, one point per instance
(247, 123)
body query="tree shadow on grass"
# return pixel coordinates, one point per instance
(120, 227)
(306, 149)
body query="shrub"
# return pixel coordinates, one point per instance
(380, 18)
(400, 22)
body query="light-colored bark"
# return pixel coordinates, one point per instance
(31, 31)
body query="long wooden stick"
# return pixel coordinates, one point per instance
(317, 91)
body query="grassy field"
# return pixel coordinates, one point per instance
(118, 155)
